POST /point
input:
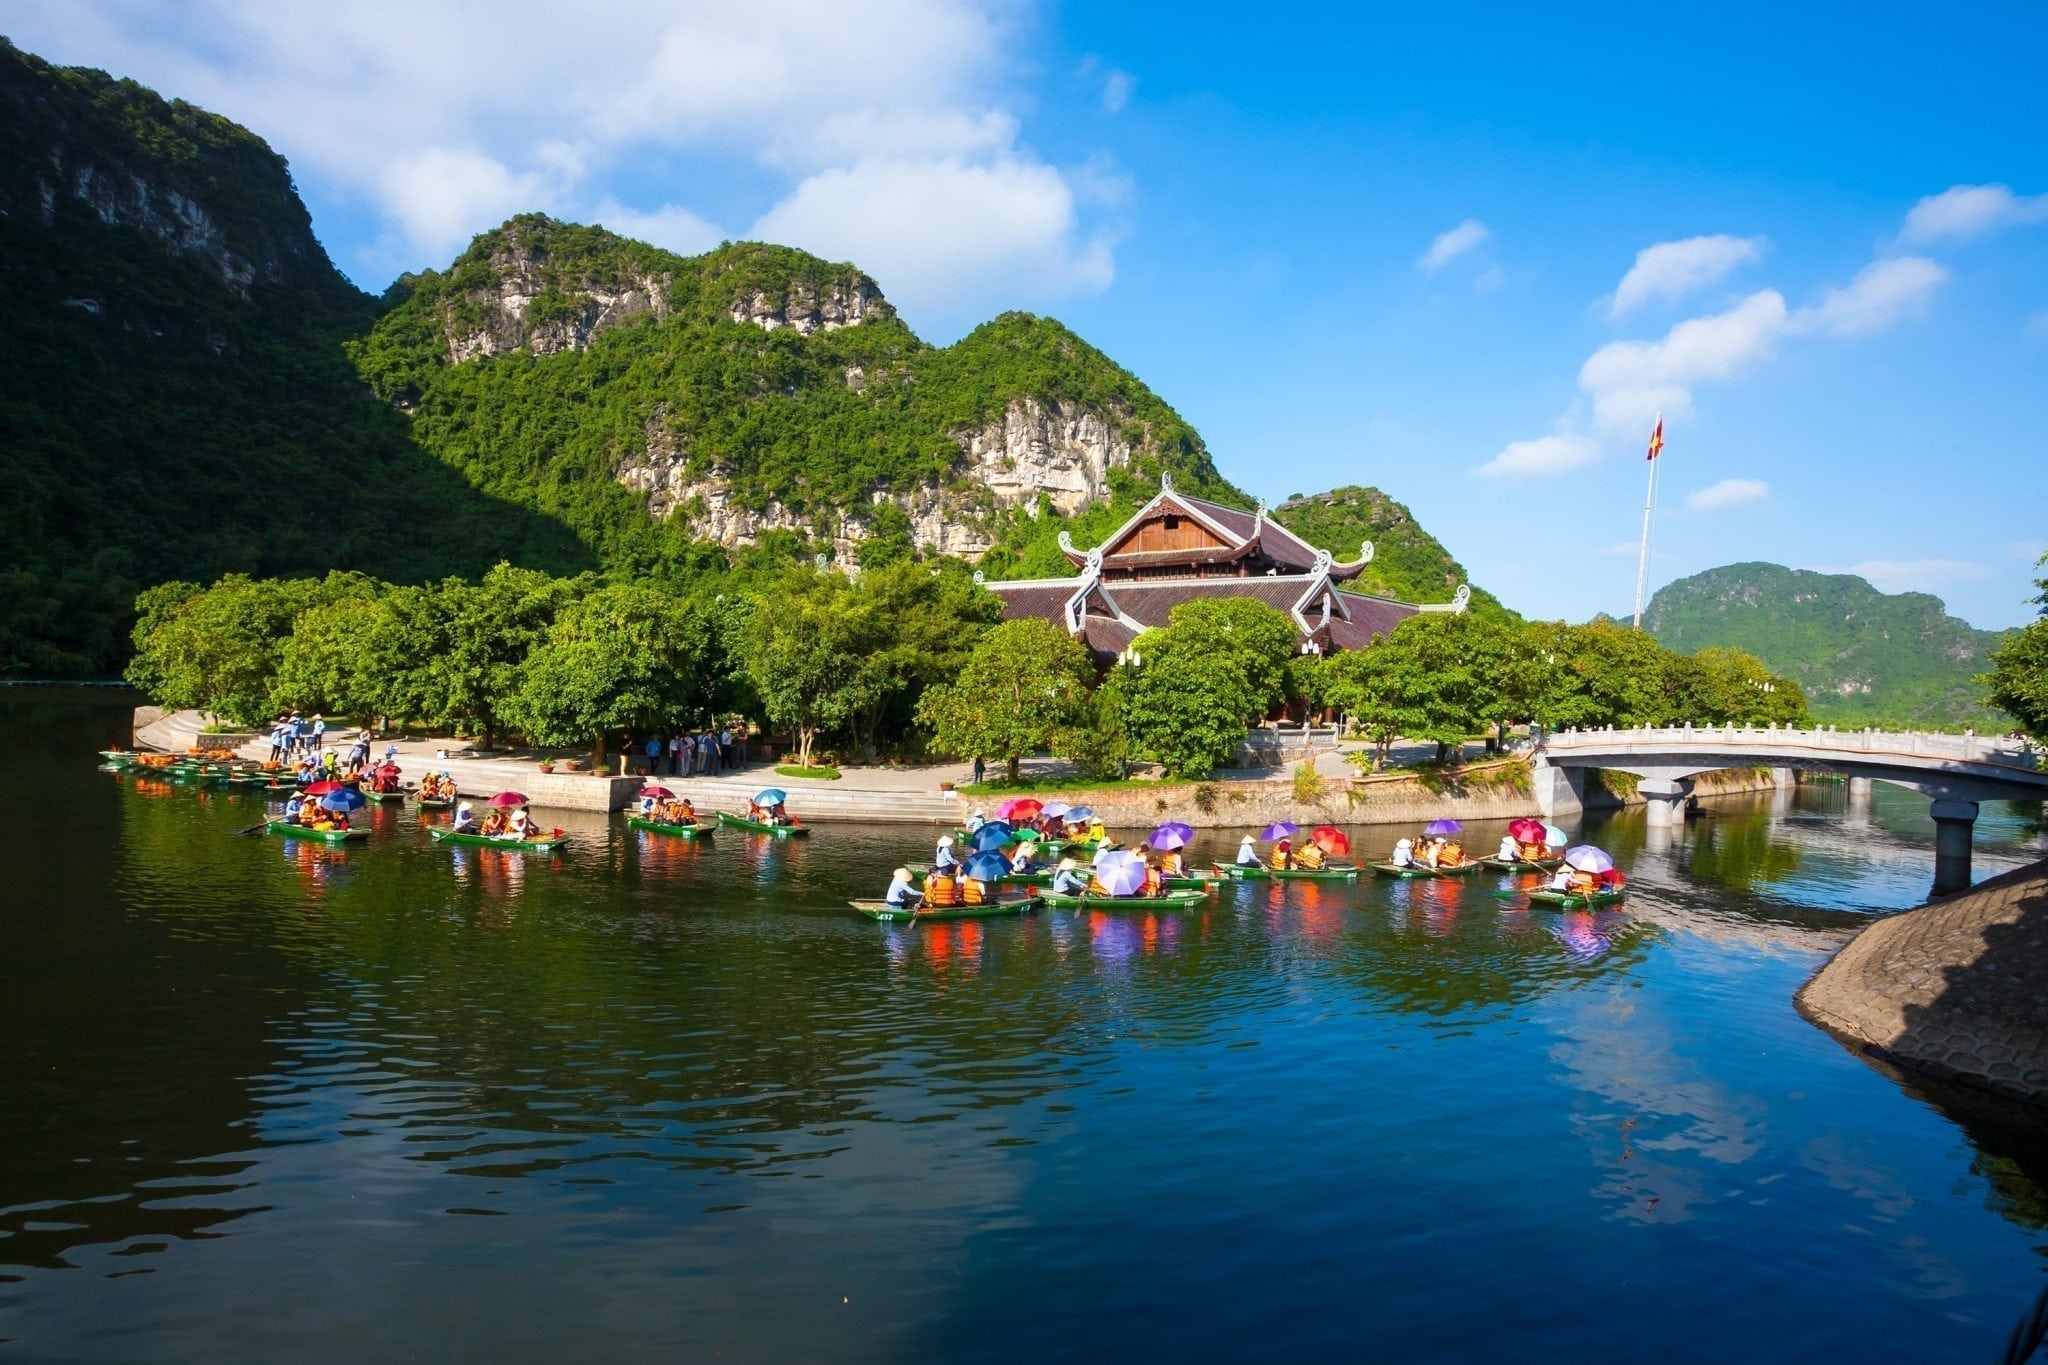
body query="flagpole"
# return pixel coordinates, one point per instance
(1649, 500)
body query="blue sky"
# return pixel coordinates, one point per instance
(1461, 256)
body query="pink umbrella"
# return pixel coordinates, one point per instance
(663, 792)
(1020, 808)
(507, 800)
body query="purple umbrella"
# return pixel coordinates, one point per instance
(1184, 831)
(1587, 858)
(1167, 837)
(1437, 827)
(1280, 829)
(1121, 874)
(1055, 808)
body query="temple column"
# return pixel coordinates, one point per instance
(1953, 823)
(1664, 799)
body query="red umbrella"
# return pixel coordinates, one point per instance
(1331, 840)
(322, 788)
(663, 792)
(1020, 808)
(507, 800)
(1526, 830)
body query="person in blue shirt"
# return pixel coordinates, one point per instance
(942, 857)
(294, 808)
(1021, 860)
(1068, 881)
(319, 732)
(902, 895)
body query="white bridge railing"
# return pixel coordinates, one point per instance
(1876, 744)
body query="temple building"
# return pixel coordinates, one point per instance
(1176, 549)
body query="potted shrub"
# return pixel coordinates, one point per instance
(547, 765)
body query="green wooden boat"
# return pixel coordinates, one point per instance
(1315, 874)
(1089, 900)
(1409, 872)
(118, 755)
(1243, 872)
(726, 817)
(436, 802)
(1522, 864)
(396, 798)
(318, 836)
(995, 909)
(505, 841)
(702, 828)
(1566, 900)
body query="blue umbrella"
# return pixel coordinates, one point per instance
(987, 867)
(1121, 874)
(1167, 837)
(348, 798)
(1554, 837)
(1587, 858)
(771, 797)
(1080, 813)
(1280, 829)
(1437, 827)
(990, 836)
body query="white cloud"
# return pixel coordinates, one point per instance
(1912, 575)
(1451, 244)
(1670, 270)
(671, 226)
(622, 103)
(1882, 293)
(1008, 227)
(1544, 455)
(1961, 212)
(1116, 91)
(1631, 381)
(1727, 493)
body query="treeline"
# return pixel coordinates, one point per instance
(895, 660)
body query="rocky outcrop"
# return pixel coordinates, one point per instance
(808, 306)
(121, 198)
(526, 309)
(1035, 451)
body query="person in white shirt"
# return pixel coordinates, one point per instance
(1510, 851)
(465, 818)
(1404, 853)
(1248, 852)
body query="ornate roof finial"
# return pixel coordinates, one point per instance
(1067, 543)
(1260, 514)
(979, 578)
(1365, 553)
(821, 559)
(1166, 480)
(1462, 597)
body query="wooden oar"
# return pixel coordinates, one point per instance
(255, 829)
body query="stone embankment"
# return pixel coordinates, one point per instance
(1956, 989)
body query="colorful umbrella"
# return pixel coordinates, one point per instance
(1121, 874)
(508, 800)
(1526, 830)
(1587, 858)
(1166, 837)
(1437, 827)
(1280, 829)
(1020, 808)
(990, 836)
(344, 798)
(1184, 831)
(1331, 840)
(1055, 808)
(322, 788)
(987, 867)
(663, 792)
(1553, 837)
(771, 797)
(1080, 813)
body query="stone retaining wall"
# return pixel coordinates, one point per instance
(1957, 988)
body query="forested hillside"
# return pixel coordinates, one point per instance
(1408, 562)
(1864, 657)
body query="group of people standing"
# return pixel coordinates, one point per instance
(694, 755)
(292, 736)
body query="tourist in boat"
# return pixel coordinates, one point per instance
(902, 893)
(1097, 831)
(650, 806)
(465, 818)
(1248, 852)
(385, 779)
(1283, 855)
(520, 825)
(976, 821)
(942, 857)
(940, 889)
(294, 808)
(1155, 885)
(1427, 852)
(1510, 851)
(975, 891)
(1310, 859)
(1023, 859)
(1067, 880)
(493, 825)
(685, 812)
(1404, 853)
(1450, 853)
(1173, 863)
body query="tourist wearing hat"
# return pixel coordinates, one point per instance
(902, 895)
(1068, 881)
(1404, 853)
(464, 818)
(942, 858)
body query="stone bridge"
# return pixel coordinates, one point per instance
(1956, 772)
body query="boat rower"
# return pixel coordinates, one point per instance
(942, 857)
(1404, 853)
(465, 818)
(1510, 851)
(1067, 880)
(294, 808)
(1248, 852)
(903, 893)
(976, 821)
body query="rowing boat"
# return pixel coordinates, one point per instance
(1403, 871)
(1458, 869)
(436, 802)
(1095, 900)
(1239, 872)
(702, 827)
(548, 845)
(726, 817)
(1522, 864)
(1002, 905)
(319, 836)
(390, 798)
(118, 755)
(1568, 900)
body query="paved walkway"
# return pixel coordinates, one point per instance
(1958, 988)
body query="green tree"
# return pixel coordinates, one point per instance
(912, 625)
(1023, 685)
(1609, 674)
(623, 657)
(329, 664)
(1440, 671)
(1369, 695)
(801, 651)
(1252, 635)
(456, 651)
(219, 650)
(2018, 680)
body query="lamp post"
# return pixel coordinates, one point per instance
(1128, 663)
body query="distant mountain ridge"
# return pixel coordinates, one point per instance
(1863, 656)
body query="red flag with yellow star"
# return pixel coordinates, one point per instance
(1656, 438)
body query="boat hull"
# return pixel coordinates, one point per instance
(702, 829)
(548, 845)
(756, 827)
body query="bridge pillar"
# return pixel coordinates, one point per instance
(1665, 800)
(1859, 793)
(1782, 782)
(1558, 791)
(1953, 823)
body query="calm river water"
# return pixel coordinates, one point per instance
(265, 1101)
